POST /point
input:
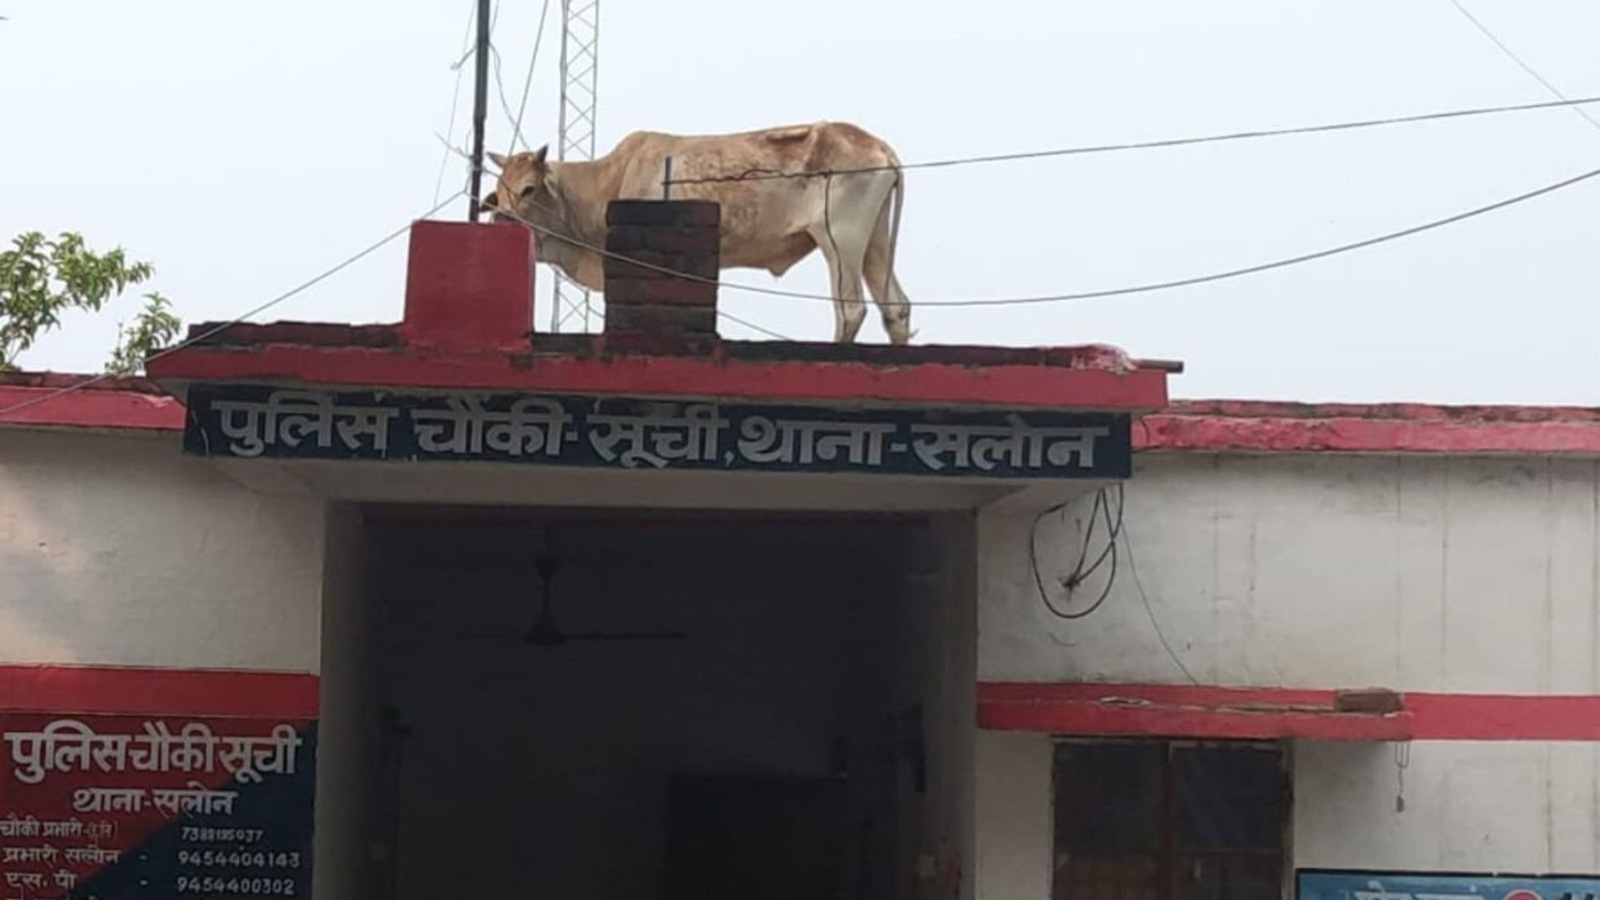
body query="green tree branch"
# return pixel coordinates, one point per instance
(42, 279)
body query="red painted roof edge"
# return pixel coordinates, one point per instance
(1217, 426)
(1224, 426)
(334, 336)
(773, 377)
(56, 400)
(1408, 411)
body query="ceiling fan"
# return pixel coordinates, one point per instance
(545, 632)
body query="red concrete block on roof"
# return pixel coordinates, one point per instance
(469, 286)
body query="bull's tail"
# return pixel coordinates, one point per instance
(891, 282)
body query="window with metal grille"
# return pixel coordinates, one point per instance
(1169, 820)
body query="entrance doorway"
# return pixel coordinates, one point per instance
(1170, 820)
(767, 707)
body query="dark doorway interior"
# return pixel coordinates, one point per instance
(771, 751)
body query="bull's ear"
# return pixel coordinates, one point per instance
(497, 159)
(491, 201)
(540, 154)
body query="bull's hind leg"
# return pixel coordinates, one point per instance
(892, 303)
(842, 232)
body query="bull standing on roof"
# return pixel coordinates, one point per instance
(784, 192)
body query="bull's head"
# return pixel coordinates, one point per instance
(524, 191)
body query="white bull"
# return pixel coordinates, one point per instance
(767, 223)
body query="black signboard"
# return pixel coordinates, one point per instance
(260, 421)
(119, 807)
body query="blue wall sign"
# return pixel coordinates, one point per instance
(1359, 885)
(261, 421)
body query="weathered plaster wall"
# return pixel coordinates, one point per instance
(352, 856)
(1437, 574)
(1013, 815)
(1469, 806)
(117, 550)
(1428, 574)
(938, 646)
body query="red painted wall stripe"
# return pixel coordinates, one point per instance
(1185, 711)
(1467, 717)
(157, 691)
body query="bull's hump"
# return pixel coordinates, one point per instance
(788, 135)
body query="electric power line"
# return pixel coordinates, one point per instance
(455, 100)
(1149, 610)
(210, 332)
(1079, 573)
(760, 329)
(1093, 295)
(1000, 301)
(438, 204)
(1512, 55)
(500, 90)
(764, 175)
(527, 84)
(505, 102)
(292, 292)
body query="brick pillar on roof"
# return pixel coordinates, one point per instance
(669, 288)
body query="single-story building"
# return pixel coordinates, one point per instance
(453, 608)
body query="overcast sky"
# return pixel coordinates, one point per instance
(243, 148)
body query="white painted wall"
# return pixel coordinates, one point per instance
(1427, 574)
(939, 645)
(1469, 806)
(117, 550)
(1423, 574)
(351, 849)
(1013, 815)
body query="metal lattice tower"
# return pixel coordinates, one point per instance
(580, 63)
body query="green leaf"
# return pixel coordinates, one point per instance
(155, 328)
(41, 279)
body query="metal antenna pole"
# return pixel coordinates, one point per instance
(580, 65)
(480, 106)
